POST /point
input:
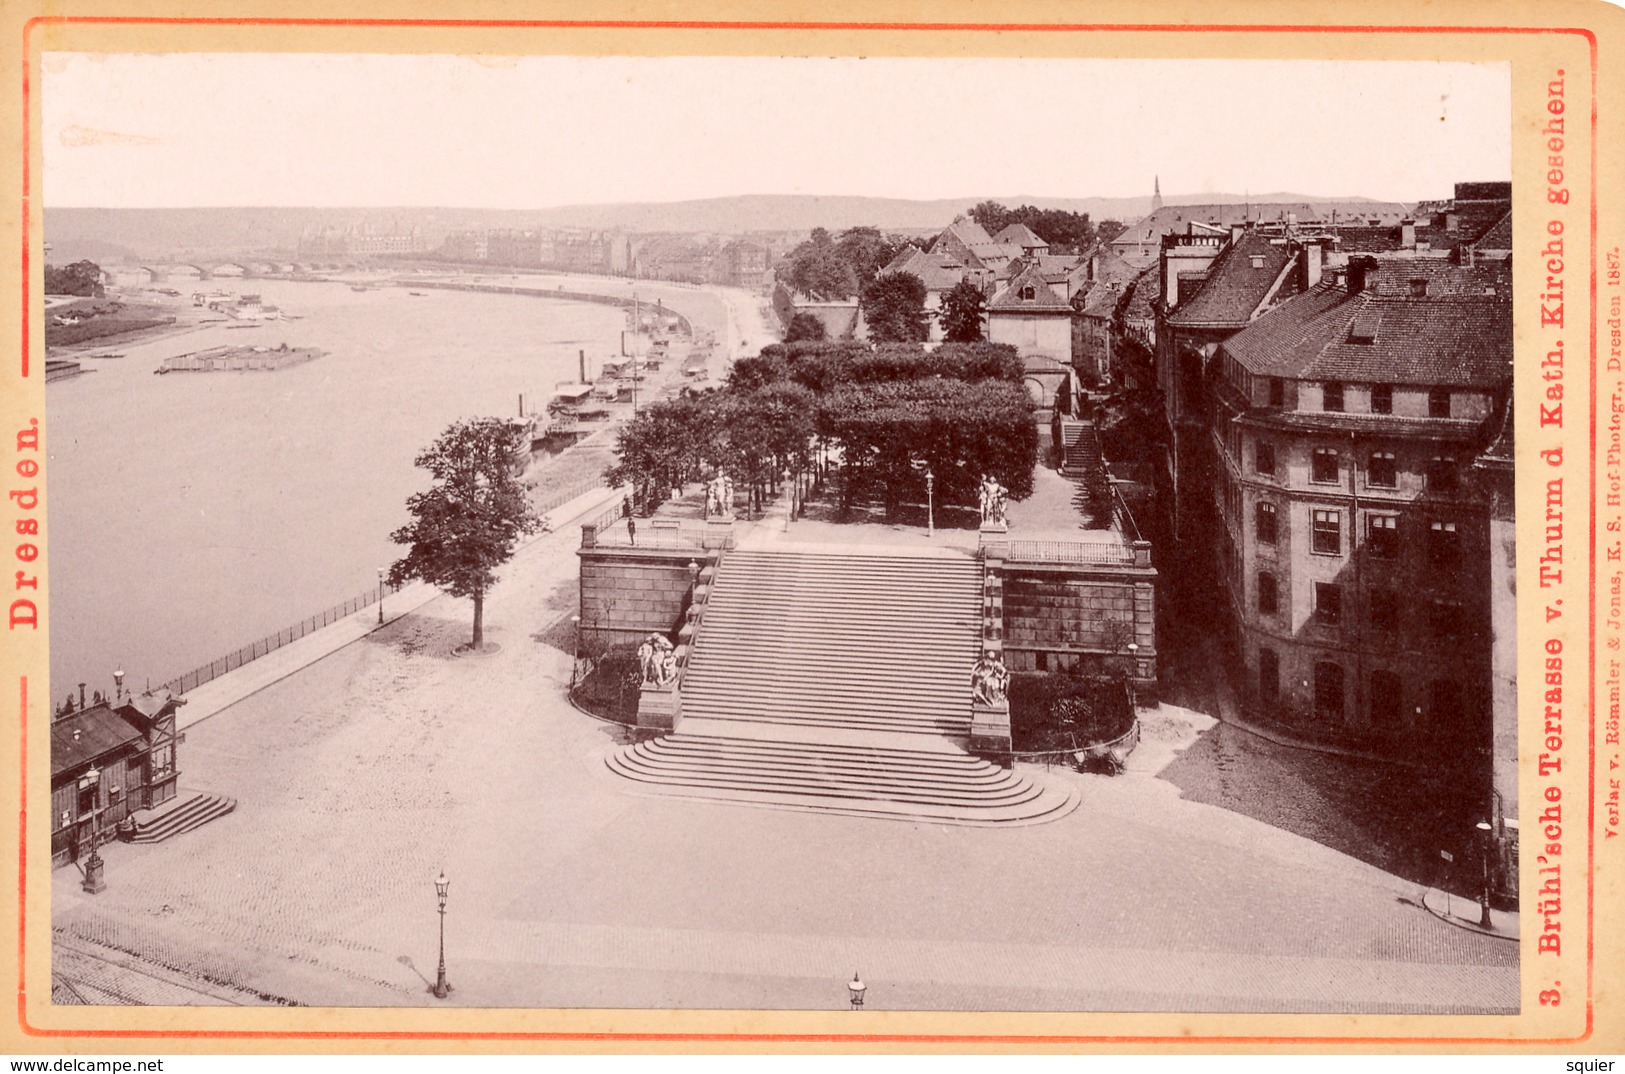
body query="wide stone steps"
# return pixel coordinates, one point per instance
(191, 814)
(837, 682)
(880, 783)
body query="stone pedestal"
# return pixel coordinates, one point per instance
(719, 532)
(995, 540)
(990, 727)
(660, 708)
(94, 884)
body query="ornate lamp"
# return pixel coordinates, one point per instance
(441, 986)
(857, 988)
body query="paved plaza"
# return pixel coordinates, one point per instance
(363, 775)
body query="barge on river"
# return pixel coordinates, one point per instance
(238, 359)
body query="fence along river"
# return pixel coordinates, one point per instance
(187, 514)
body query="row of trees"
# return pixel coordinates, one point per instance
(889, 412)
(1065, 232)
(894, 310)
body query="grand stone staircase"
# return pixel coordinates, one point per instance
(838, 680)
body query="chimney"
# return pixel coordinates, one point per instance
(1236, 231)
(1313, 257)
(118, 685)
(1359, 267)
(81, 697)
(1407, 233)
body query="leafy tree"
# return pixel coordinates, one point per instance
(894, 307)
(466, 524)
(1107, 230)
(866, 251)
(805, 327)
(961, 313)
(1063, 231)
(991, 216)
(83, 278)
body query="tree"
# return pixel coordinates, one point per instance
(1107, 230)
(467, 523)
(805, 326)
(894, 307)
(82, 278)
(961, 313)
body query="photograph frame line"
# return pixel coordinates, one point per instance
(27, 160)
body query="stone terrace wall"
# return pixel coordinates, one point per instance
(627, 593)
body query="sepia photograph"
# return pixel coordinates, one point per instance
(780, 533)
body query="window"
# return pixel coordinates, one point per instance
(1446, 619)
(1439, 403)
(1268, 598)
(1387, 699)
(1331, 397)
(1028, 293)
(1444, 544)
(1382, 536)
(1383, 471)
(1326, 536)
(1323, 466)
(1385, 609)
(1382, 398)
(1442, 475)
(1269, 675)
(1264, 458)
(1419, 288)
(163, 761)
(1277, 392)
(1329, 689)
(1329, 601)
(1266, 524)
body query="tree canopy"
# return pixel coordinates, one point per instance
(961, 313)
(805, 326)
(894, 308)
(467, 523)
(1065, 232)
(82, 278)
(831, 269)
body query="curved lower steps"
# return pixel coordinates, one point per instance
(852, 780)
(193, 813)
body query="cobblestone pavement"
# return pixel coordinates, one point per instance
(362, 776)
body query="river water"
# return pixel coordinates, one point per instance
(193, 513)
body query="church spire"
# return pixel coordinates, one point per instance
(1156, 193)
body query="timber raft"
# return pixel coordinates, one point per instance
(238, 359)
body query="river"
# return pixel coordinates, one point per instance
(192, 513)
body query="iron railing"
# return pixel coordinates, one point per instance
(1069, 552)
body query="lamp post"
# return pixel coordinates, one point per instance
(380, 596)
(1484, 892)
(441, 985)
(930, 502)
(93, 865)
(1133, 672)
(856, 988)
(575, 656)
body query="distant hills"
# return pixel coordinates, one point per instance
(112, 233)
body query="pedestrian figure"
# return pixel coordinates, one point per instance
(631, 529)
(626, 507)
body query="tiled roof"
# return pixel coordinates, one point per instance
(1175, 218)
(100, 731)
(968, 232)
(1445, 429)
(1044, 297)
(150, 704)
(1396, 275)
(1498, 237)
(1449, 341)
(939, 272)
(1147, 290)
(1019, 235)
(1237, 283)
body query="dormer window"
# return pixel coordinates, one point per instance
(1365, 325)
(1258, 261)
(1419, 288)
(1028, 293)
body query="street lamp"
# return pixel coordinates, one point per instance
(930, 502)
(441, 985)
(575, 658)
(1133, 672)
(93, 865)
(1484, 893)
(856, 988)
(380, 596)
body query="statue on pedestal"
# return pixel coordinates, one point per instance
(993, 498)
(990, 679)
(666, 673)
(656, 648)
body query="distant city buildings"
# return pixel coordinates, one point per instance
(357, 241)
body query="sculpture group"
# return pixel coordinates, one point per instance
(719, 495)
(657, 661)
(993, 496)
(990, 679)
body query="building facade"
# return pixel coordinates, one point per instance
(109, 759)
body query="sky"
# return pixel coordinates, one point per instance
(218, 129)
